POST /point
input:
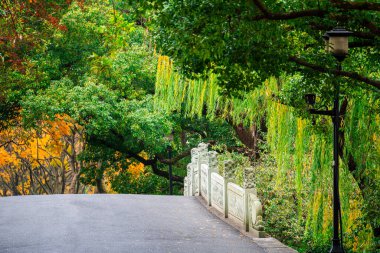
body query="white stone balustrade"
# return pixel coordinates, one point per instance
(238, 203)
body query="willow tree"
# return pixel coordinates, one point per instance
(246, 42)
(293, 165)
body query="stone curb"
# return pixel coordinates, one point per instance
(269, 244)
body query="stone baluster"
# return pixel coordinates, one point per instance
(213, 161)
(190, 181)
(203, 153)
(185, 187)
(253, 208)
(257, 217)
(229, 174)
(248, 178)
(202, 159)
(249, 188)
(229, 170)
(194, 155)
(192, 165)
(212, 167)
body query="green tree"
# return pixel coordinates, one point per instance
(103, 71)
(26, 28)
(247, 42)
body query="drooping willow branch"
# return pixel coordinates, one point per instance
(352, 75)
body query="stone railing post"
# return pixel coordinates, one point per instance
(253, 216)
(212, 167)
(202, 159)
(229, 174)
(189, 181)
(191, 167)
(185, 187)
(249, 187)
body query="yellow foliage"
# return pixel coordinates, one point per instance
(6, 158)
(136, 168)
(32, 148)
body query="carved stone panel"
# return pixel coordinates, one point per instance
(217, 184)
(236, 201)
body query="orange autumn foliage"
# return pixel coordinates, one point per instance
(39, 161)
(136, 169)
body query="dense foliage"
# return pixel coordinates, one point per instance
(93, 69)
(294, 175)
(88, 105)
(236, 46)
(246, 42)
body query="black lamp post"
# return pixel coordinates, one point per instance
(337, 44)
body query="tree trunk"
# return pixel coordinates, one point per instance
(99, 186)
(99, 178)
(250, 137)
(73, 184)
(183, 138)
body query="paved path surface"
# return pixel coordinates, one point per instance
(115, 223)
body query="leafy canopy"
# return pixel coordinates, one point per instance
(246, 42)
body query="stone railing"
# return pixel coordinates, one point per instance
(238, 203)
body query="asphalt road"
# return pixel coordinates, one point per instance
(115, 223)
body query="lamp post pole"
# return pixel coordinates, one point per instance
(337, 246)
(337, 44)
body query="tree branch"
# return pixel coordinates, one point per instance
(352, 75)
(372, 27)
(343, 5)
(181, 155)
(367, 43)
(358, 34)
(291, 15)
(361, 6)
(285, 16)
(146, 162)
(177, 158)
(165, 174)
